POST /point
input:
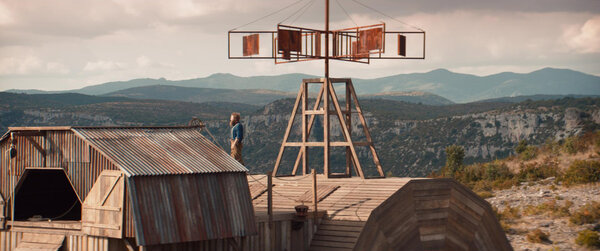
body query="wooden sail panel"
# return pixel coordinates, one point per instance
(317, 44)
(251, 45)
(288, 41)
(402, 45)
(371, 39)
(102, 213)
(357, 53)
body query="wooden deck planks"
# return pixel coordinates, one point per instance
(343, 198)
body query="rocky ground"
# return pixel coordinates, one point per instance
(526, 197)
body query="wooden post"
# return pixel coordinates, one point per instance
(270, 198)
(326, 128)
(349, 124)
(315, 199)
(12, 165)
(304, 149)
(270, 210)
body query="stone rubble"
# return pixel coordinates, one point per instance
(561, 232)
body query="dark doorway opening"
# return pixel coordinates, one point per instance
(46, 194)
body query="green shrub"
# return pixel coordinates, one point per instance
(551, 208)
(581, 172)
(521, 147)
(573, 145)
(488, 176)
(588, 213)
(529, 153)
(534, 172)
(485, 194)
(454, 160)
(588, 238)
(551, 147)
(537, 236)
(507, 216)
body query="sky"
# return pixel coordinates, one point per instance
(70, 44)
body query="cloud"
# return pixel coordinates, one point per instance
(20, 65)
(146, 62)
(28, 65)
(584, 38)
(102, 65)
(6, 16)
(58, 68)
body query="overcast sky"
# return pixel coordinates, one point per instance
(67, 44)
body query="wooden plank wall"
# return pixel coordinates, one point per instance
(9, 241)
(434, 214)
(285, 238)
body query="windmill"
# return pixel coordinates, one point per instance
(359, 44)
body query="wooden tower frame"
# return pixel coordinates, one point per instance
(295, 44)
(327, 93)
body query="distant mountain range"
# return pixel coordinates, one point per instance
(254, 96)
(410, 137)
(455, 87)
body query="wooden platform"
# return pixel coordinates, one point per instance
(383, 214)
(353, 200)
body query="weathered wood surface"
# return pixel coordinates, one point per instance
(40, 242)
(2, 212)
(336, 235)
(344, 117)
(354, 199)
(427, 214)
(102, 213)
(257, 189)
(434, 214)
(322, 192)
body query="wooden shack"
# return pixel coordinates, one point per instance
(120, 188)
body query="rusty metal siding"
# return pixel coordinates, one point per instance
(4, 166)
(82, 163)
(160, 151)
(27, 156)
(196, 207)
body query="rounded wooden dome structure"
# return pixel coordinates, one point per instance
(433, 214)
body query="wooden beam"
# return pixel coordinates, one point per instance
(270, 198)
(348, 114)
(303, 144)
(315, 112)
(304, 128)
(326, 86)
(315, 198)
(287, 132)
(310, 124)
(344, 127)
(40, 128)
(366, 130)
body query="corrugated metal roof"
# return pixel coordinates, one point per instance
(159, 150)
(185, 208)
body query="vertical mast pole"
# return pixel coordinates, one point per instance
(326, 96)
(327, 40)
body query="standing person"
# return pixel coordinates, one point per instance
(237, 135)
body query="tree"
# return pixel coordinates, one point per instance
(521, 147)
(454, 160)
